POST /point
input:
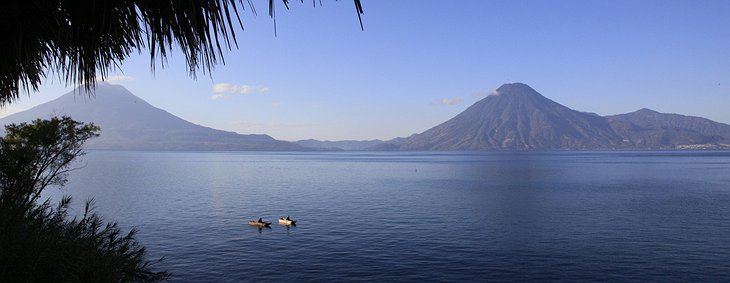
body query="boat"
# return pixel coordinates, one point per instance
(259, 223)
(287, 221)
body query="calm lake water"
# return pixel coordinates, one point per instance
(375, 217)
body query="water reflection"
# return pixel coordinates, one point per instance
(289, 226)
(261, 228)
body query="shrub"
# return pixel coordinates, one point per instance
(42, 243)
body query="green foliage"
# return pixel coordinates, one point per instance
(42, 243)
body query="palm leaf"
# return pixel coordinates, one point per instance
(81, 40)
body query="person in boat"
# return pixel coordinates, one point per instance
(261, 220)
(287, 218)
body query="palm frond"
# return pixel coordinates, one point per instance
(81, 40)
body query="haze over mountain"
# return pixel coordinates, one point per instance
(128, 122)
(516, 117)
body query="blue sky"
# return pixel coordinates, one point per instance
(419, 63)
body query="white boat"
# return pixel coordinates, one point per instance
(287, 221)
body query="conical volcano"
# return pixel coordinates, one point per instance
(128, 122)
(516, 117)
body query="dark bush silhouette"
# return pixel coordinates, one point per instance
(40, 242)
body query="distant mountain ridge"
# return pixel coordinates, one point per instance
(648, 118)
(517, 117)
(130, 123)
(649, 128)
(339, 145)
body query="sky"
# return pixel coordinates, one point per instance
(418, 63)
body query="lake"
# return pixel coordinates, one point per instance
(420, 216)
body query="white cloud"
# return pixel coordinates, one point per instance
(481, 93)
(449, 101)
(218, 96)
(242, 89)
(115, 79)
